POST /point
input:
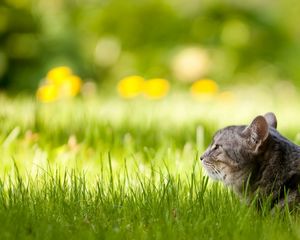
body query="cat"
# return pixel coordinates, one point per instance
(257, 159)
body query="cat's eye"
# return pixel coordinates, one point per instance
(215, 146)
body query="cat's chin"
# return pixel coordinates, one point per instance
(234, 184)
(215, 177)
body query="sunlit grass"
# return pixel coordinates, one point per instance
(109, 168)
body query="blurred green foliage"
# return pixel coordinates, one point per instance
(105, 40)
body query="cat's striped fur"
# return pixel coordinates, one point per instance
(256, 155)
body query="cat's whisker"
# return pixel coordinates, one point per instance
(216, 172)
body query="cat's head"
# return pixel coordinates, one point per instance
(231, 155)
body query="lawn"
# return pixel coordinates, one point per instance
(107, 168)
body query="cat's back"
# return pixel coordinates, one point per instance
(280, 139)
(288, 151)
(282, 158)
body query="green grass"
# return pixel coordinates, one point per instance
(103, 168)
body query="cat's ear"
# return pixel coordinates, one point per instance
(257, 132)
(271, 119)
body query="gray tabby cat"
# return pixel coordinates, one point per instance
(256, 155)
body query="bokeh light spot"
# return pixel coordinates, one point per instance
(107, 51)
(190, 64)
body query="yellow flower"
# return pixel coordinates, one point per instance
(58, 75)
(156, 88)
(60, 83)
(131, 86)
(204, 87)
(70, 87)
(47, 93)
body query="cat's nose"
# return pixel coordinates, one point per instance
(202, 157)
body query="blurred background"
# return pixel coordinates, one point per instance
(144, 80)
(103, 41)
